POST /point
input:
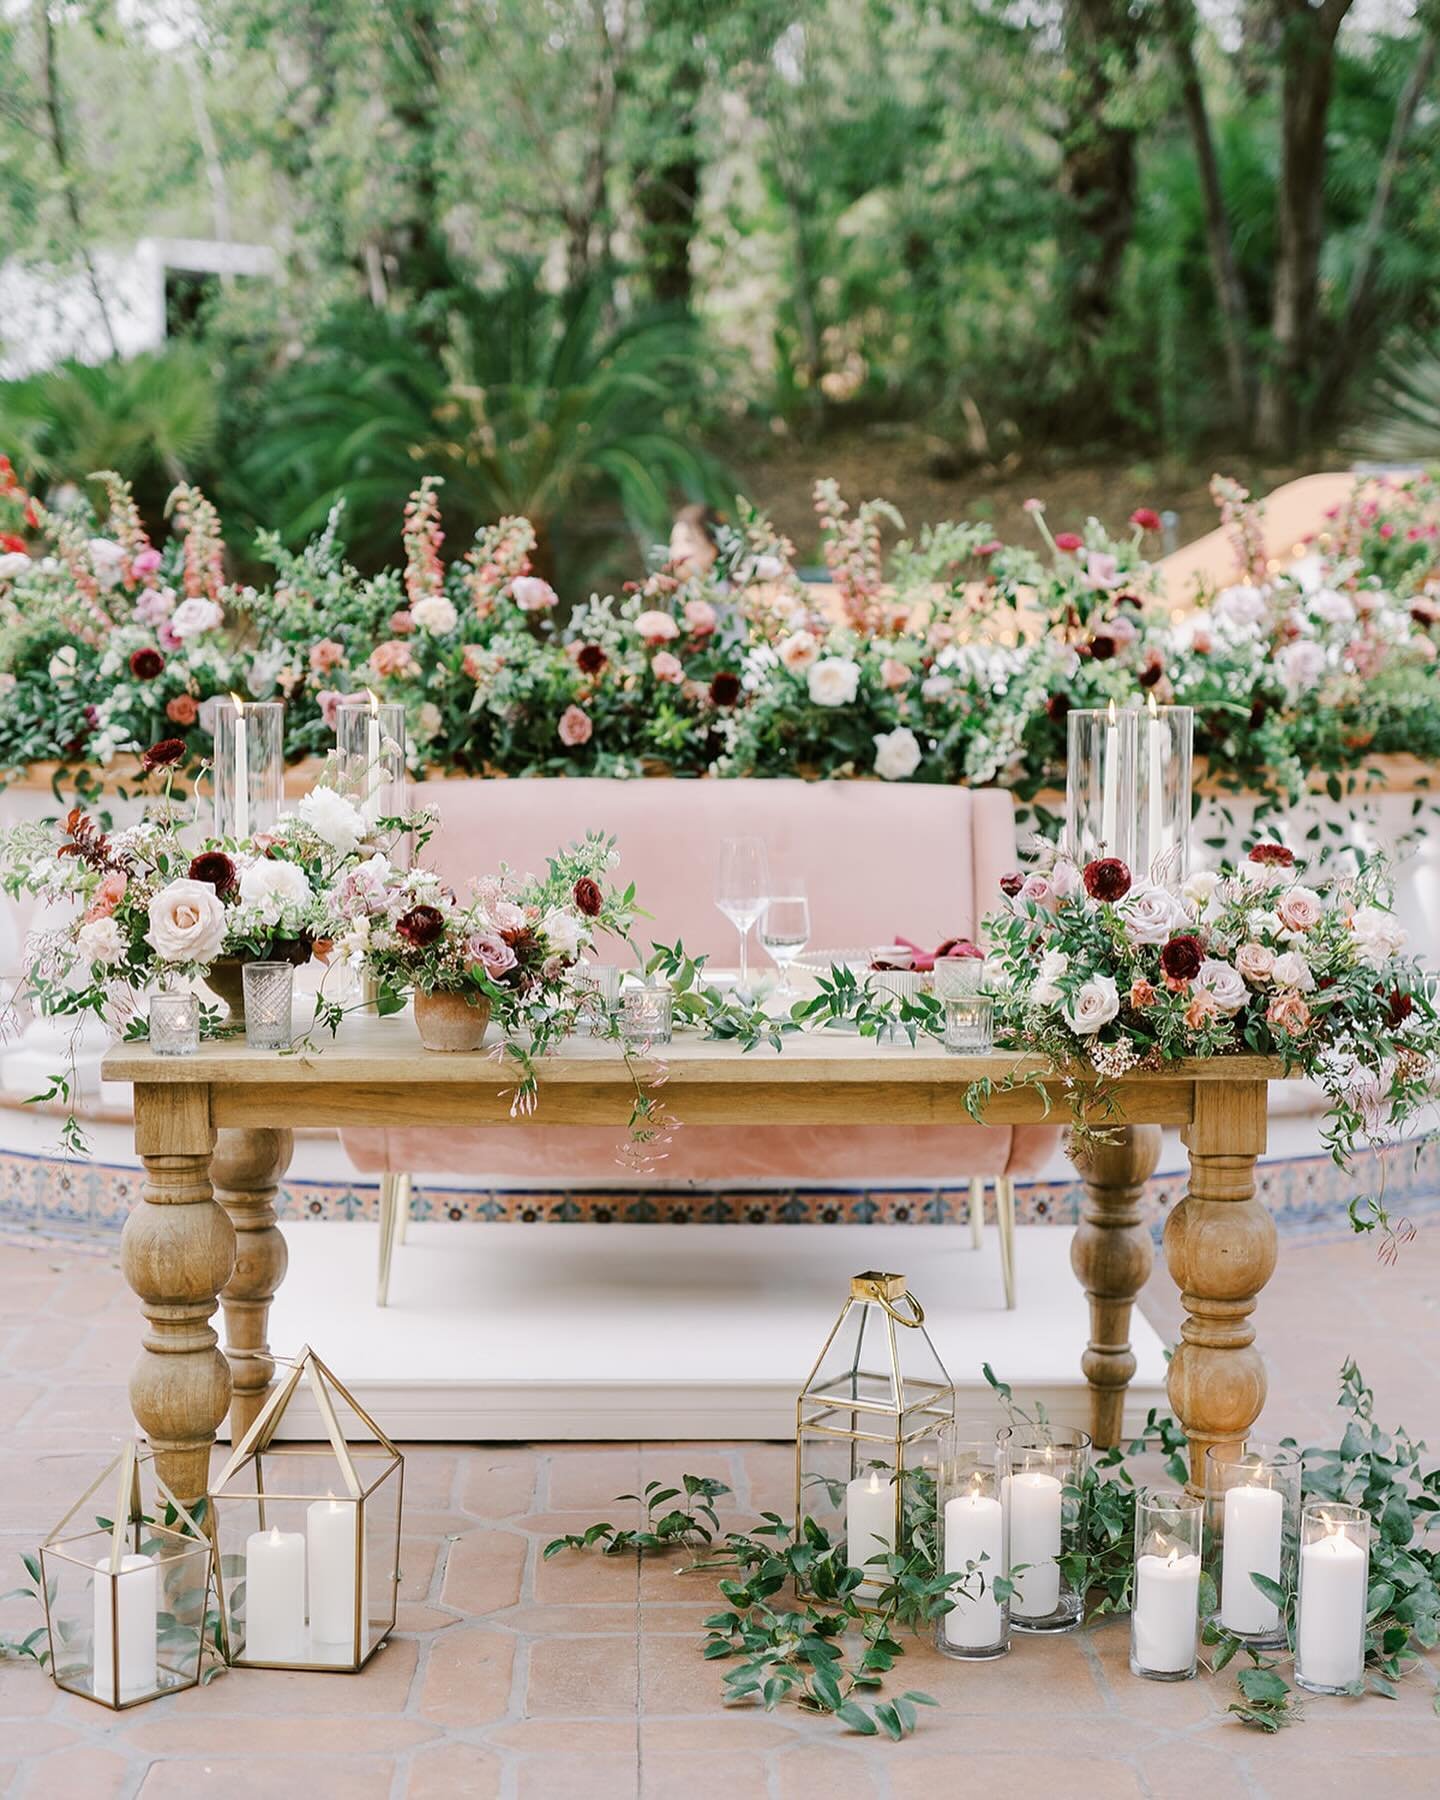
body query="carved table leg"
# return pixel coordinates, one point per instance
(177, 1252)
(1112, 1255)
(1220, 1245)
(247, 1167)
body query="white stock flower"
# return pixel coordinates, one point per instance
(834, 681)
(187, 922)
(897, 754)
(13, 563)
(107, 559)
(1092, 1005)
(1290, 970)
(1053, 964)
(436, 613)
(1224, 984)
(335, 820)
(1149, 914)
(100, 941)
(1379, 935)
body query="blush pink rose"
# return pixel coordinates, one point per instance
(665, 667)
(531, 594)
(1037, 890)
(144, 563)
(326, 655)
(701, 617)
(575, 727)
(402, 623)
(657, 627)
(1290, 1014)
(894, 674)
(1255, 962)
(392, 658)
(1300, 909)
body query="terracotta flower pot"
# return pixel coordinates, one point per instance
(451, 1021)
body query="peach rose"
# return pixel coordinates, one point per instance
(1202, 1008)
(392, 658)
(1290, 1014)
(184, 709)
(701, 617)
(656, 627)
(326, 655)
(1142, 993)
(108, 896)
(894, 674)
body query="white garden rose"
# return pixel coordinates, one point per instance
(1224, 984)
(333, 819)
(1379, 935)
(436, 613)
(897, 754)
(1290, 970)
(798, 652)
(565, 930)
(192, 617)
(107, 559)
(1331, 608)
(1241, 609)
(1149, 914)
(187, 922)
(100, 941)
(282, 883)
(1053, 964)
(1094, 1003)
(834, 681)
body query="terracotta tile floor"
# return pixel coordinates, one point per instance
(523, 1680)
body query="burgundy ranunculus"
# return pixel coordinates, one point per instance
(1273, 853)
(215, 867)
(1010, 885)
(588, 897)
(1107, 878)
(146, 664)
(725, 688)
(1150, 675)
(1400, 1006)
(1057, 705)
(590, 659)
(421, 926)
(1181, 957)
(1102, 646)
(163, 755)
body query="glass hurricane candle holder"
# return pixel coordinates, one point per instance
(972, 1543)
(1254, 1510)
(1164, 751)
(1100, 783)
(1043, 1485)
(646, 1015)
(307, 1536)
(1333, 1596)
(957, 977)
(970, 1024)
(269, 1003)
(1165, 1608)
(248, 766)
(867, 1430)
(370, 742)
(174, 1024)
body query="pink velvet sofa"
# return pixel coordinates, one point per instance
(922, 862)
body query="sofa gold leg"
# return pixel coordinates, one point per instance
(1005, 1219)
(402, 1209)
(977, 1211)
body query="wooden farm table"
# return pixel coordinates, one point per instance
(214, 1134)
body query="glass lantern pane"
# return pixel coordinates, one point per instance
(856, 1375)
(382, 1552)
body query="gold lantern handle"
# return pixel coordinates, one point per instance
(888, 1291)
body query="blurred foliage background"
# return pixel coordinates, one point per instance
(591, 258)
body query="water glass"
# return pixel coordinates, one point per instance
(269, 1000)
(742, 885)
(957, 977)
(174, 1024)
(785, 930)
(646, 1015)
(970, 1025)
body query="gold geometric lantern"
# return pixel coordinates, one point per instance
(128, 1601)
(308, 1538)
(867, 1427)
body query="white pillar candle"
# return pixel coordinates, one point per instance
(869, 1526)
(1167, 1611)
(1034, 1540)
(330, 1566)
(1157, 757)
(372, 762)
(1329, 1635)
(136, 1591)
(1253, 1527)
(1111, 778)
(275, 1596)
(973, 1534)
(242, 771)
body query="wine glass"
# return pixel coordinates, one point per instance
(742, 885)
(785, 929)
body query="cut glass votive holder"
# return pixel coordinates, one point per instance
(1042, 1475)
(269, 1001)
(599, 987)
(174, 1024)
(970, 1024)
(1333, 1597)
(647, 1015)
(1253, 1502)
(972, 1543)
(958, 977)
(1165, 1608)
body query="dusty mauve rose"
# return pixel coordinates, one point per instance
(421, 926)
(1107, 879)
(146, 664)
(588, 897)
(217, 868)
(1290, 1014)
(1010, 885)
(725, 688)
(665, 667)
(184, 709)
(492, 953)
(1273, 853)
(575, 727)
(590, 659)
(1300, 909)
(1182, 956)
(1038, 892)
(163, 755)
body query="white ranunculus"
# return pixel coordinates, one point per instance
(1053, 964)
(1379, 935)
(834, 681)
(100, 941)
(187, 922)
(897, 754)
(1092, 1005)
(1149, 913)
(334, 819)
(13, 563)
(565, 930)
(1290, 970)
(270, 879)
(435, 613)
(1224, 984)
(193, 617)
(1299, 666)
(107, 559)
(1200, 888)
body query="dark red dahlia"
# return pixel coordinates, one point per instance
(217, 868)
(1181, 957)
(588, 897)
(590, 659)
(1057, 705)
(1010, 885)
(1273, 853)
(725, 688)
(1150, 675)
(1102, 646)
(421, 926)
(163, 755)
(146, 664)
(1107, 878)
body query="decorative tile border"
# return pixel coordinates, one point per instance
(1308, 1195)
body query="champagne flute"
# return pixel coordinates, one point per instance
(741, 886)
(785, 929)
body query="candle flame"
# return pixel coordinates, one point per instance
(874, 1481)
(1154, 709)
(1173, 1557)
(274, 1534)
(238, 704)
(1112, 712)
(374, 700)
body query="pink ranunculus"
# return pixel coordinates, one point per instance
(575, 727)
(402, 621)
(108, 896)
(1122, 628)
(144, 563)
(657, 627)
(1300, 909)
(1037, 890)
(701, 618)
(326, 655)
(166, 637)
(668, 668)
(894, 674)
(392, 658)
(329, 701)
(492, 953)
(531, 594)
(1069, 540)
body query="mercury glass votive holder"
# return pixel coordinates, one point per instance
(646, 1015)
(1165, 1608)
(1042, 1474)
(972, 1543)
(1253, 1500)
(969, 1024)
(174, 1024)
(1333, 1597)
(269, 1001)
(957, 977)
